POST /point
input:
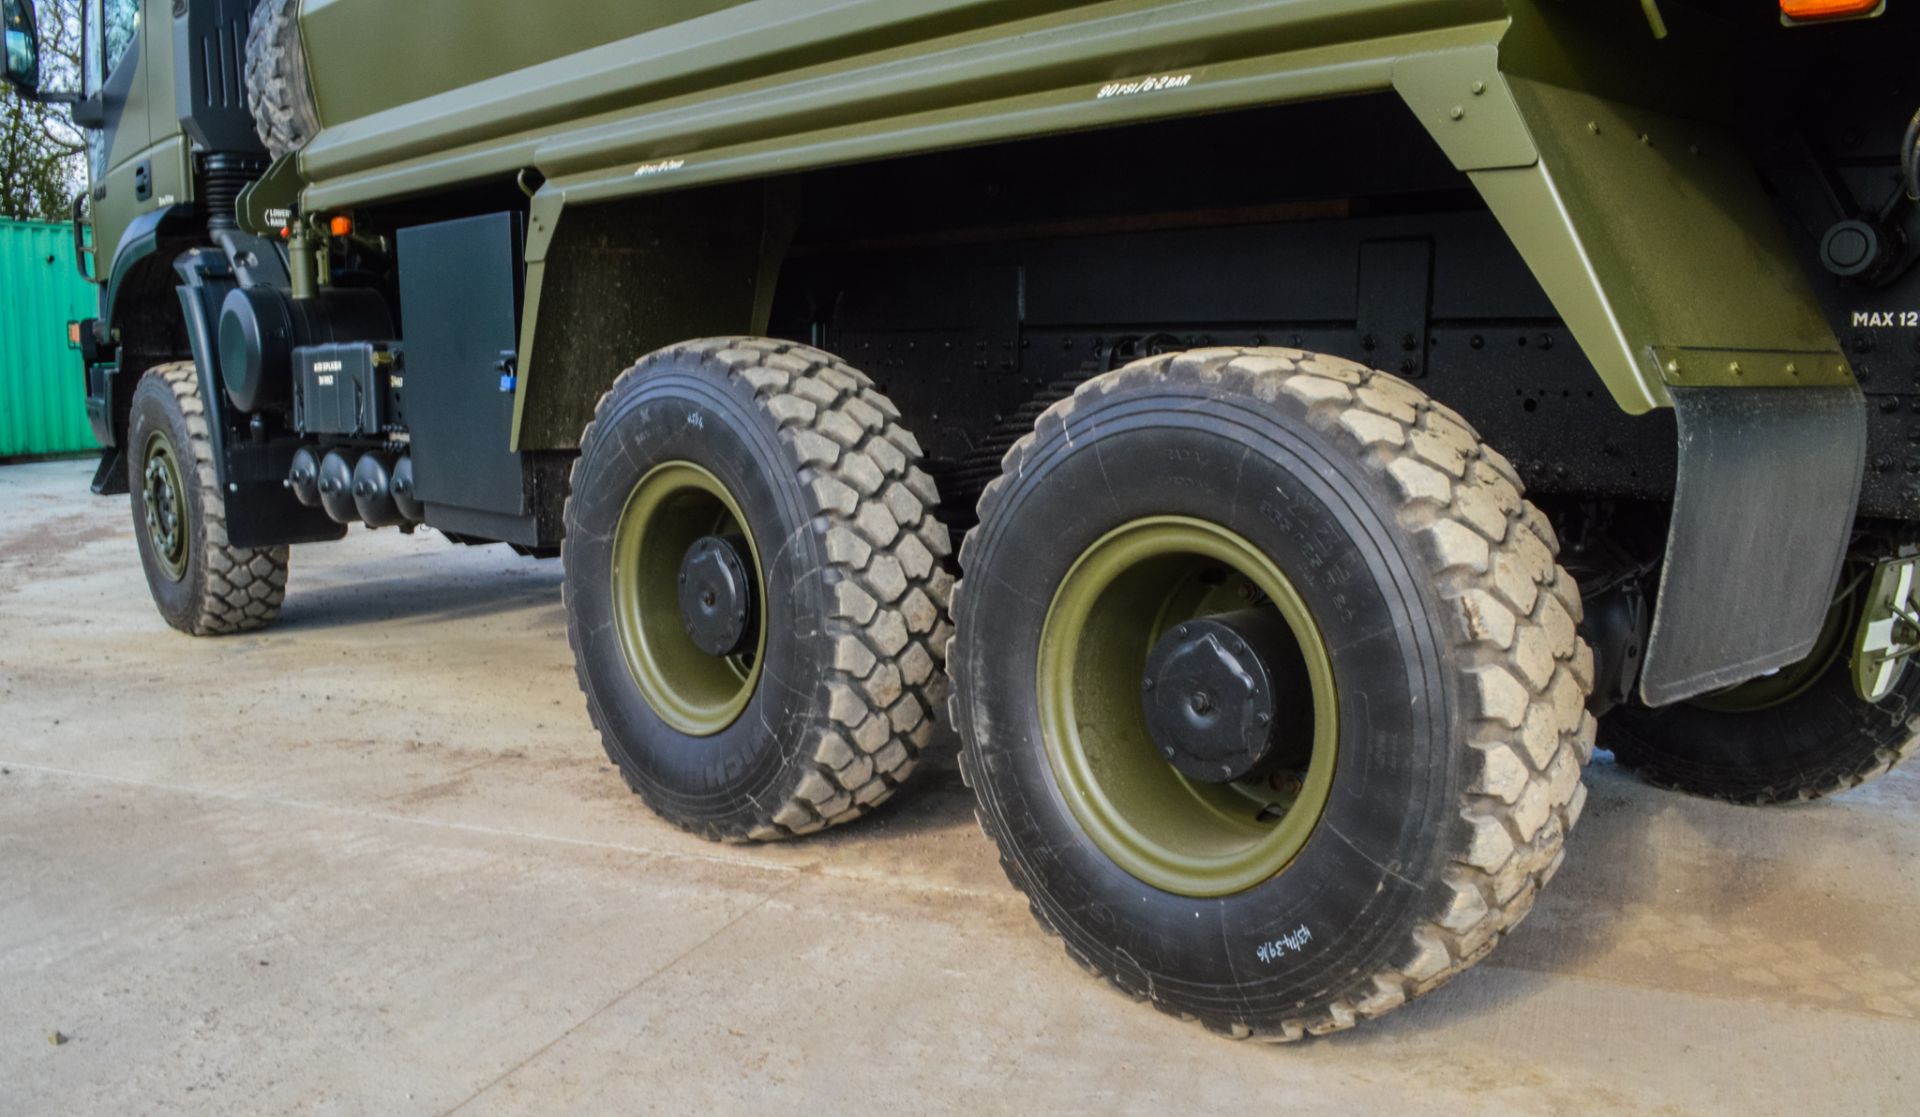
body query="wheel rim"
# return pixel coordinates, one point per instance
(1795, 679)
(1121, 596)
(165, 504)
(674, 506)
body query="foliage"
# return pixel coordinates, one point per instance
(42, 152)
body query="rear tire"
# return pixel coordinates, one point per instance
(797, 455)
(202, 585)
(1810, 738)
(1458, 687)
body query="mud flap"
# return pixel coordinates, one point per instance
(1769, 481)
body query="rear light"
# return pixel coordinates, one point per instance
(1829, 9)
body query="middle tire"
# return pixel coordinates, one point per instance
(1303, 545)
(754, 587)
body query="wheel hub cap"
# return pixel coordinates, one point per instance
(686, 593)
(716, 594)
(164, 500)
(1223, 696)
(1179, 783)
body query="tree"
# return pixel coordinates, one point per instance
(42, 152)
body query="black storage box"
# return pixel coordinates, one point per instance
(349, 389)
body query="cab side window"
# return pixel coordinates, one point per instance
(119, 24)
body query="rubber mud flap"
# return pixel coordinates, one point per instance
(1769, 481)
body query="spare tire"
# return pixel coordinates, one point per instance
(278, 93)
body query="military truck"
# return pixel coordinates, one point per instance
(1339, 407)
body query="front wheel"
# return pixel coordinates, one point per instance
(202, 585)
(1269, 687)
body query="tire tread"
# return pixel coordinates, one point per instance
(1514, 615)
(886, 551)
(1879, 739)
(278, 92)
(245, 586)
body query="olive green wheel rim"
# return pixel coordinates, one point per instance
(1795, 679)
(1122, 595)
(670, 508)
(165, 502)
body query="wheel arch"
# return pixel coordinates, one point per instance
(698, 263)
(1628, 217)
(140, 312)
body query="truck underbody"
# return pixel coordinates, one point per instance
(1667, 294)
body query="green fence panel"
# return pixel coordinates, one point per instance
(43, 395)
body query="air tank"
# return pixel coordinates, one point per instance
(336, 487)
(373, 490)
(304, 478)
(405, 496)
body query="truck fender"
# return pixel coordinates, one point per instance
(260, 512)
(1655, 240)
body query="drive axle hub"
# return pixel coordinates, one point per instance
(716, 595)
(1227, 697)
(166, 507)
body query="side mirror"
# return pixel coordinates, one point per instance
(23, 47)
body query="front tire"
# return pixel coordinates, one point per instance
(201, 584)
(1205, 488)
(814, 698)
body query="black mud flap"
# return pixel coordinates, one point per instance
(261, 511)
(110, 476)
(1769, 481)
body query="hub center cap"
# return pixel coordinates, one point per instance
(716, 595)
(1224, 699)
(165, 508)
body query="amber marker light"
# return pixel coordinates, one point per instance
(342, 226)
(1828, 9)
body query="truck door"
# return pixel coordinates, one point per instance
(138, 162)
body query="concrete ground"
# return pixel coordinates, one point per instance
(374, 862)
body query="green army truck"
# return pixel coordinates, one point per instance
(1272, 435)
